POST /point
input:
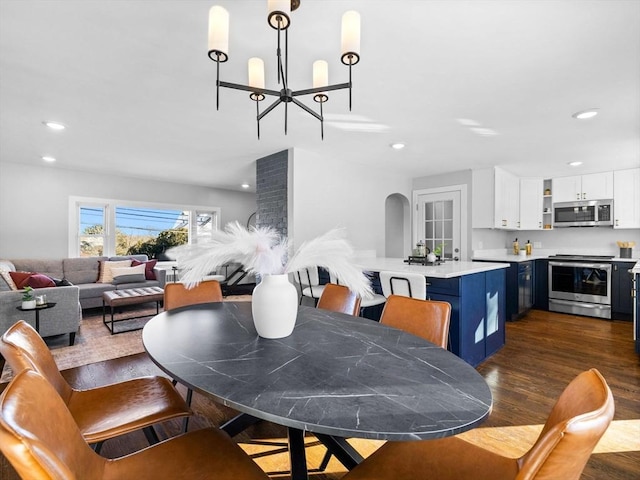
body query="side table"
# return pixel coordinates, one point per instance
(37, 310)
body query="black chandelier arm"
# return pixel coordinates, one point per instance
(247, 88)
(269, 108)
(328, 88)
(306, 109)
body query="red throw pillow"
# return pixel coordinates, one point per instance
(38, 280)
(31, 279)
(149, 274)
(20, 278)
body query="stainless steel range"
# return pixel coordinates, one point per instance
(580, 284)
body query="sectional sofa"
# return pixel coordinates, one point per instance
(80, 289)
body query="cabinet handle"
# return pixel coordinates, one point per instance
(584, 196)
(577, 196)
(617, 223)
(539, 224)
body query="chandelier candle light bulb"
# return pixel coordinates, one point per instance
(219, 33)
(350, 37)
(279, 14)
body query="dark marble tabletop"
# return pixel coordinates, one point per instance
(336, 374)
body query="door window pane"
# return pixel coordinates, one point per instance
(438, 226)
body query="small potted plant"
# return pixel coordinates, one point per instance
(28, 298)
(439, 251)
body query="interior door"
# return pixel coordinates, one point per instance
(439, 222)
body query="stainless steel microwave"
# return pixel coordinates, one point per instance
(585, 213)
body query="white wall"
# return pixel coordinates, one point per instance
(34, 204)
(333, 192)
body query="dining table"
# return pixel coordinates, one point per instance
(336, 376)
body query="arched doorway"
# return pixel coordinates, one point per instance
(397, 215)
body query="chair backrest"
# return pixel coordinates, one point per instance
(577, 422)
(39, 436)
(412, 285)
(424, 318)
(338, 298)
(23, 348)
(307, 277)
(177, 295)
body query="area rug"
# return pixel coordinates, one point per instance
(94, 342)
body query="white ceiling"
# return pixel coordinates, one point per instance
(133, 83)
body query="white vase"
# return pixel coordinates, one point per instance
(274, 306)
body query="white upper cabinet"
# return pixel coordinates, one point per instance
(626, 198)
(496, 199)
(531, 208)
(594, 186)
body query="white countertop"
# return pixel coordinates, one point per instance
(448, 269)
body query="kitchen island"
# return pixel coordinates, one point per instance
(476, 292)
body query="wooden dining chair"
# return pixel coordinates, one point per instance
(177, 295)
(103, 412)
(577, 422)
(428, 319)
(338, 298)
(41, 440)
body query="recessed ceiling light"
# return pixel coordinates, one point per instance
(574, 164)
(55, 125)
(48, 159)
(245, 185)
(585, 114)
(397, 146)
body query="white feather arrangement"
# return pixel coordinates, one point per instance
(262, 251)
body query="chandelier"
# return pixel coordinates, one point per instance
(278, 17)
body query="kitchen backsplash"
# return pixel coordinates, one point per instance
(579, 241)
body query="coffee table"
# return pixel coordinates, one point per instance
(131, 296)
(336, 376)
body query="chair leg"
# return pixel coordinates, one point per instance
(152, 436)
(325, 461)
(185, 422)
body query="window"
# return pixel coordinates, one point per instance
(92, 231)
(109, 227)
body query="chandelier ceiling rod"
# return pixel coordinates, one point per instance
(278, 18)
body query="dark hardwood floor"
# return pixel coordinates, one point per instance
(543, 352)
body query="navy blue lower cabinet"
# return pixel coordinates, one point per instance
(478, 312)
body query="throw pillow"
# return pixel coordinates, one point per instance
(106, 276)
(127, 272)
(148, 268)
(4, 274)
(20, 279)
(39, 280)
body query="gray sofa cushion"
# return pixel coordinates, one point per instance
(82, 270)
(88, 290)
(134, 278)
(51, 268)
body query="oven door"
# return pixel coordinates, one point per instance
(580, 282)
